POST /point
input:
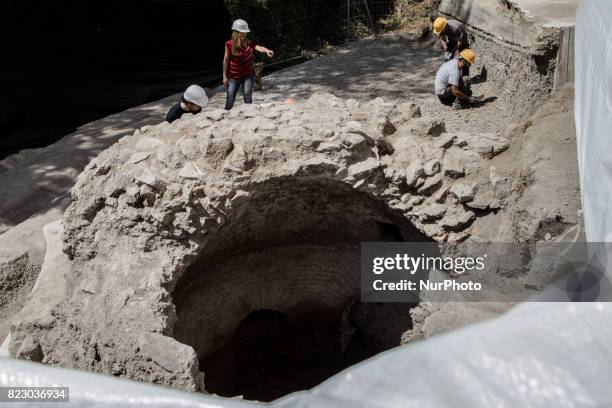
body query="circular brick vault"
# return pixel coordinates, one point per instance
(272, 304)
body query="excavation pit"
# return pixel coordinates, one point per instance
(272, 306)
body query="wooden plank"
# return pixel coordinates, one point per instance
(572, 55)
(561, 71)
(565, 58)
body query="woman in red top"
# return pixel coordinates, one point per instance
(238, 63)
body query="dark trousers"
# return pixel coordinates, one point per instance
(448, 98)
(465, 85)
(234, 86)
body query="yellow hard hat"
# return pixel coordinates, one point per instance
(439, 25)
(468, 55)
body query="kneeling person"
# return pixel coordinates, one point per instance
(451, 86)
(193, 101)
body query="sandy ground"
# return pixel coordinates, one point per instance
(543, 166)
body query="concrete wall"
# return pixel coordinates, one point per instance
(550, 13)
(497, 18)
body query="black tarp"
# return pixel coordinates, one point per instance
(66, 63)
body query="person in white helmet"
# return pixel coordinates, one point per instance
(193, 101)
(238, 68)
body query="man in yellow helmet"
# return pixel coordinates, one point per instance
(452, 87)
(452, 35)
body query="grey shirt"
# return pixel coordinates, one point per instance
(455, 31)
(448, 74)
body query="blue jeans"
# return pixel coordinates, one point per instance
(234, 86)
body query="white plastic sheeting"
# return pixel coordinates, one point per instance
(593, 111)
(538, 355)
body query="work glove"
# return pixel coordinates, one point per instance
(448, 55)
(474, 100)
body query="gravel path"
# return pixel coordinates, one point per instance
(392, 66)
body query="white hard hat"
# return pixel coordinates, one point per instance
(195, 94)
(240, 26)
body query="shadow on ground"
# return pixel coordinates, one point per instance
(393, 67)
(31, 179)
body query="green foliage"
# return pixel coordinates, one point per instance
(411, 15)
(298, 27)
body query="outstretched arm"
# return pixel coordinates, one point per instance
(262, 49)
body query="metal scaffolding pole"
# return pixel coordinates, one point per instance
(367, 7)
(348, 20)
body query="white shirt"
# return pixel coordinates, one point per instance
(448, 74)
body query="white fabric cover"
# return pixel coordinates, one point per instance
(538, 355)
(593, 111)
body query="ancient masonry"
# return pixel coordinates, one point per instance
(243, 194)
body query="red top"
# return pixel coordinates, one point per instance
(241, 62)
